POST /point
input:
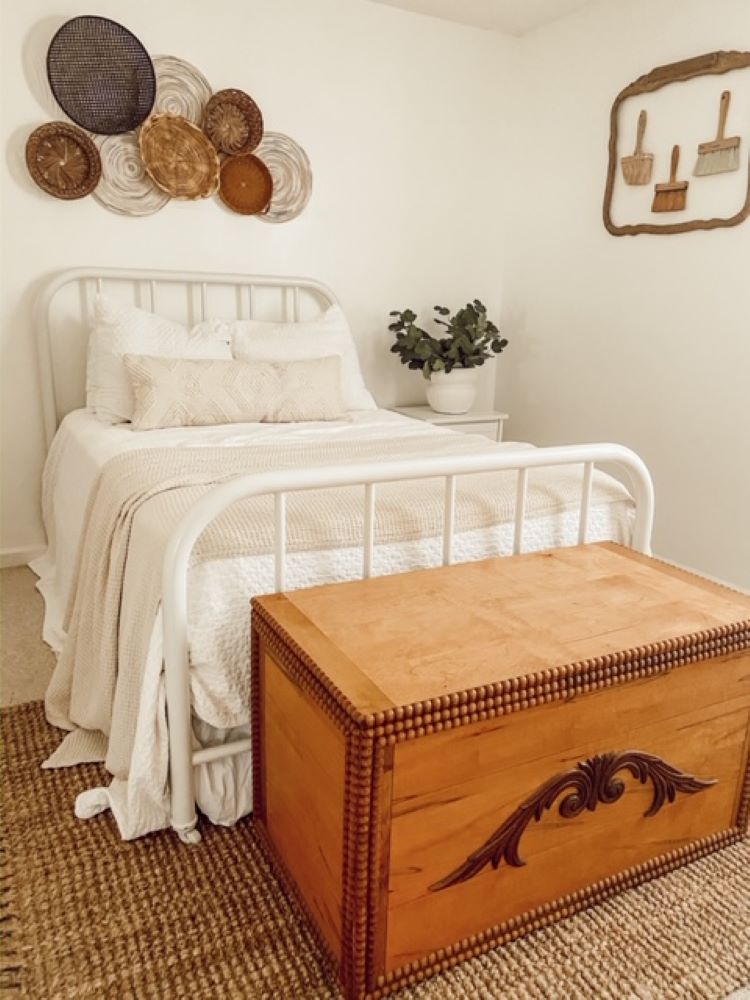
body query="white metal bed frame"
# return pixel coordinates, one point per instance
(197, 285)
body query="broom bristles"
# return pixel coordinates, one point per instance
(637, 169)
(670, 201)
(718, 161)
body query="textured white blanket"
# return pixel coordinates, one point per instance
(108, 680)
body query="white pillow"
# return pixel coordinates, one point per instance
(329, 334)
(188, 392)
(119, 330)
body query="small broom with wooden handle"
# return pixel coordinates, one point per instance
(672, 196)
(636, 169)
(719, 155)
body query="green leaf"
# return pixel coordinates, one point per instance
(469, 339)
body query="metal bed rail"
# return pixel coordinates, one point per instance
(182, 758)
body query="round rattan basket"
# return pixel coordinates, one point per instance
(291, 173)
(63, 160)
(181, 89)
(179, 158)
(125, 186)
(233, 122)
(246, 184)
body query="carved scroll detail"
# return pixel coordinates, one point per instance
(590, 782)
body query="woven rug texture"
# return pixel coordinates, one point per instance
(86, 915)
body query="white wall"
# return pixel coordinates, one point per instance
(398, 114)
(438, 152)
(643, 340)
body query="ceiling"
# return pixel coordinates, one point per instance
(513, 17)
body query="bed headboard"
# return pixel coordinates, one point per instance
(64, 312)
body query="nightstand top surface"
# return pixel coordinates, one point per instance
(474, 416)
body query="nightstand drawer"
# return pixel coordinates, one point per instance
(486, 427)
(487, 422)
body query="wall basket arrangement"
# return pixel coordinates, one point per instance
(685, 153)
(144, 131)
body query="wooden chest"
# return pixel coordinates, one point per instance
(447, 759)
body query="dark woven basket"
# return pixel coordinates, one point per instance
(101, 75)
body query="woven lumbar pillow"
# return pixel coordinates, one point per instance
(181, 392)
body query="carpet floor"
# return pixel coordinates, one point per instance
(86, 915)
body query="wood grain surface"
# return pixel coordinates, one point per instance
(452, 789)
(304, 804)
(374, 787)
(397, 640)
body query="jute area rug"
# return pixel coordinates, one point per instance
(85, 915)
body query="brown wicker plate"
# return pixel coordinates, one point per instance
(63, 160)
(246, 184)
(101, 75)
(233, 122)
(178, 157)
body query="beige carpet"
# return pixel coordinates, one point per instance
(26, 662)
(86, 915)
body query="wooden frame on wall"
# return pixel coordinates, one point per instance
(710, 64)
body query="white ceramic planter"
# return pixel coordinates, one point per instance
(453, 392)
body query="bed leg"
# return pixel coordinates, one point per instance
(188, 834)
(182, 812)
(183, 816)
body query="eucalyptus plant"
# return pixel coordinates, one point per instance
(471, 339)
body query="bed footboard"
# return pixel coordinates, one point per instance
(182, 758)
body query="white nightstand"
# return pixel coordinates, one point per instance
(487, 422)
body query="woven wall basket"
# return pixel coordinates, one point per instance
(179, 158)
(125, 186)
(292, 176)
(101, 75)
(181, 89)
(246, 184)
(63, 160)
(233, 122)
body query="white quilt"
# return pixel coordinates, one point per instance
(219, 593)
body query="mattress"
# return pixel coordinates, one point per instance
(219, 591)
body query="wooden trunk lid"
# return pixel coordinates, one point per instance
(502, 626)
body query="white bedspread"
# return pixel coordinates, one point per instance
(219, 593)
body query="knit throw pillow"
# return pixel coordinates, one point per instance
(181, 392)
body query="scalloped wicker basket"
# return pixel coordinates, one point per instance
(63, 160)
(233, 122)
(179, 158)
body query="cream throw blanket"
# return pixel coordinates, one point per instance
(140, 497)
